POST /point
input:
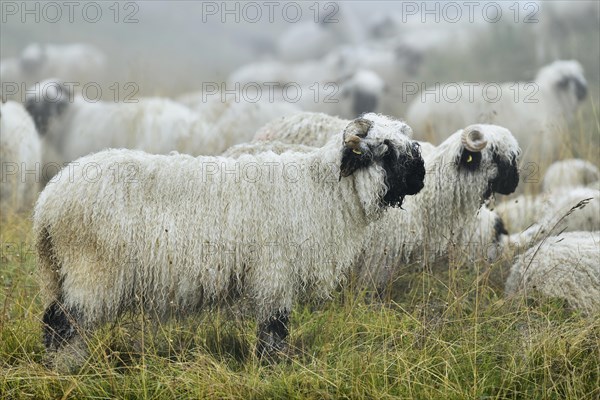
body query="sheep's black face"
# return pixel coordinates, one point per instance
(505, 182)
(575, 84)
(507, 179)
(364, 102)
(42, 107)
(580, 90)
(405, 174)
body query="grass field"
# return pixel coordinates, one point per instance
(443, 335)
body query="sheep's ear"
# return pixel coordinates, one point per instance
(470, 160)
(355, 154)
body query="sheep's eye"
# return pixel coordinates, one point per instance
(470, 158)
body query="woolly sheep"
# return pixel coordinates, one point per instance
(71, 127)
(308, 128)
(230, 115)
(303, 73)
(576, 209)
(537, 116)
(470, 166)
(307, 40)
(163, 238)
(565, 266)
(315, 88)
(458, 181)
(351, 96)
(263, 147)
(392, 62)
(521, 212)
(563, 185)
(20, 156)
(80, 63)
(565, 174)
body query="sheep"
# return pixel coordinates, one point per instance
(262, 147)
(72, 127)
(392, 62)
(80, 63)
(351, 96)
(20, 155)
(488, 238)
(521, 212)
(183, 233)
(576, 209)
(231, 116)
(315, 88)
(566, 266)
(565, 174)
(536, 112)
(304, 73)
(466, 169)
(564, 184)
(307, 40)
(308, 128)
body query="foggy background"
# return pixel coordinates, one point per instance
(172, 47)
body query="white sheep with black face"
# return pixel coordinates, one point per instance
(319, 86)
(537, 115)
(462, 172)
(71, 127)
(80, 63)
(20, 155)
(566, 266)
(173, 234)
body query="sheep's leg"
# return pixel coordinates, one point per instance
(59, 326)
(62, 338)
(272, 335)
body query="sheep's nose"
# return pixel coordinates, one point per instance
(508, 177)
(580, 90)
(415, 172)
(364, 103)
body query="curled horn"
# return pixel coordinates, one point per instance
(354, 132)
(473, 139)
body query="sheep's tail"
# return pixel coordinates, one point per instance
(48, 266)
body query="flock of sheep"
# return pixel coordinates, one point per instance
(175, 205)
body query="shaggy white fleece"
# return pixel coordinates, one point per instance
(536, 112)
(19, 158)
(565, 266)
(124, 229)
